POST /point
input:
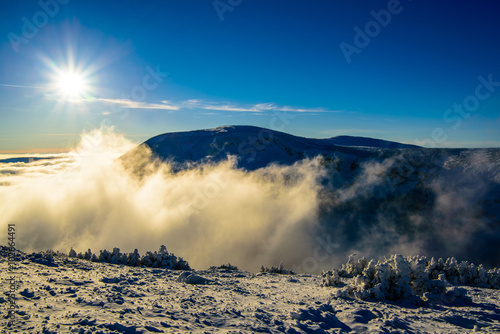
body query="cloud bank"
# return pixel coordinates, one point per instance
(309, 215)
(209, 214)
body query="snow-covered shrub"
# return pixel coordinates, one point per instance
(134, 259)
(332, 278)
(148, 260)
(228, 266)
(277, 270)
(117, 257)
(45, 258)
(163, 259)
(353, 267)
(160, 259)
(104, 256)
(400, 277)
(88, 255)
(163, 250)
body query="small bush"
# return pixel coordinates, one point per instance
(277, 270)
(228, 266)
(160, 259)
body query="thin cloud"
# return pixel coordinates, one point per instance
(22, 86)
(257, 108)
(138, 105)
(212, 106)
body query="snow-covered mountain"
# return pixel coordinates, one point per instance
(257, 147)
(375, 195)
(367, 142)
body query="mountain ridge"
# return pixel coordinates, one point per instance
(258, 147)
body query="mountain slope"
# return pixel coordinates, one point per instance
(257, 147)
(367, 142)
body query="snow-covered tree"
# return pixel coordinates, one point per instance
(117, 257)
(88, 254)
(134, 259)
(104, 256)
(163, 250)
(160, 259)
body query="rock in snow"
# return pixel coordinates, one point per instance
(190, 278)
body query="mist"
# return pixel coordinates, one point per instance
(208, 214)
(215, 213)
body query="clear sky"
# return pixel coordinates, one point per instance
(422, 71)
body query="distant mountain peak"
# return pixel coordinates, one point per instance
(257, 147)
(368, 142)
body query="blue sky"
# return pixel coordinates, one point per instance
(252, 62)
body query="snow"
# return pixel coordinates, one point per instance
(60, 294)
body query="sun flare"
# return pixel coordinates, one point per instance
(71, 84)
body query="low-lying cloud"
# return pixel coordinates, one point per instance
(217, 213)
(210, 214)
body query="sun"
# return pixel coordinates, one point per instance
(71, 84)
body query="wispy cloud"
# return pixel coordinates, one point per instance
(256, 108)
(194, 104)
(138, 105)
(23, 86)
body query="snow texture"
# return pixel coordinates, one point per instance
(61, 294)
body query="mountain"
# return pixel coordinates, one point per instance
(376, 196)
(257, 147)
(367, 142)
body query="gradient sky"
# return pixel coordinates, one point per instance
(252, 62)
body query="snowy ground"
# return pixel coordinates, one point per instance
(78, 296)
